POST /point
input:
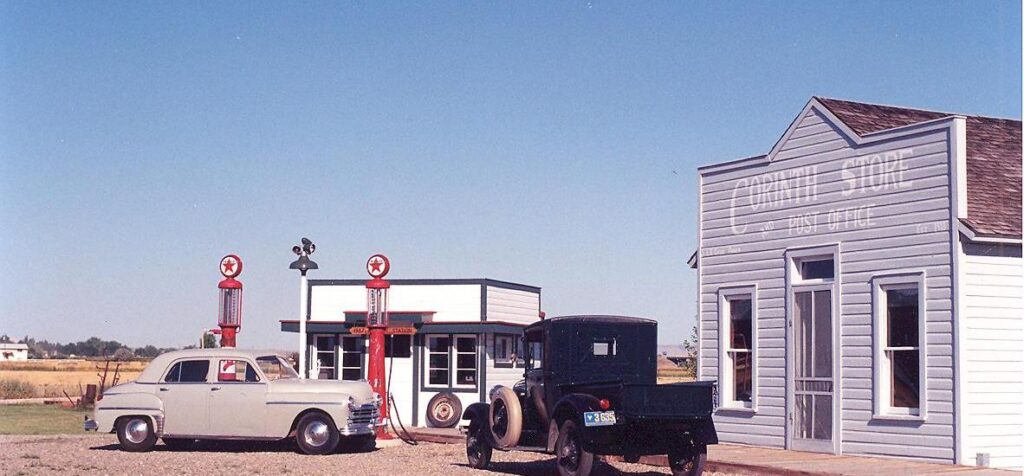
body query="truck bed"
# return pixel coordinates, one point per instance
(686, 400)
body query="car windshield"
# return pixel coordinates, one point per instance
(275, 368)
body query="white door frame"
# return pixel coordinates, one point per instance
(793, 286)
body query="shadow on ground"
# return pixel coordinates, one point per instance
(286, 446)
(547, 468)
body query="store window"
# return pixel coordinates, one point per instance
(352, 357)
(812, 269)
(506, 349)
(451, 361)
(398, 346)
(325, 353)
(899, 326)
(737, 333)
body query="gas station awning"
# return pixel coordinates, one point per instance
(343, 327)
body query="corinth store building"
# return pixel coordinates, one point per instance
(860, 286)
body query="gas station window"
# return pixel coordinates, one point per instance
(505, 349)
(465, 361)
(352, 357)
(399, 346)
(438, 360)
(325, 346)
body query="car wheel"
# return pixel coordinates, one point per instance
(505, 417)
(688, 461)
(357, 444)
(444, 410)
(478, 448)
(316, 434)
(135, 433)
(179, 444)
(570, 456)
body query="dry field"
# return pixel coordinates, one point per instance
(49, 377)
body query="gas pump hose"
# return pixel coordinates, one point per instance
(407, 437)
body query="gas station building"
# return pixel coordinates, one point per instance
(458, 337)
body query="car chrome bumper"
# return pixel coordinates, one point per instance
(362, 420)
(90, 425)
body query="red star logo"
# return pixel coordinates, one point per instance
(376, 263)
(229, 266)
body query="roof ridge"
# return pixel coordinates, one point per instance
(915, 109)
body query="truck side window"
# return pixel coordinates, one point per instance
(604, 347)
(536, 354)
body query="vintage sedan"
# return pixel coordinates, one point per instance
(234, 394)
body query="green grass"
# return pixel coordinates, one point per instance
(40, 420)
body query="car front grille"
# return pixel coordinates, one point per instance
(365, 414)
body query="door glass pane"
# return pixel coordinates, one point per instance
(901, 305)
(822, 334)
(802, 331)
(822, 417)
(804, 411)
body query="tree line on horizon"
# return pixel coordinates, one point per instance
(93, 347)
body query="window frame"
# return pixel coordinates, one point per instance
(451, 385)
(726, 375)
(881, 368)
(796, 260)
(513, 348)
(359, 350)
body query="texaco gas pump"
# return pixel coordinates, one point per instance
(377, 322)
(229, 317)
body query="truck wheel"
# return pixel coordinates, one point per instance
(570, 456)
(316, 434)
(505, 417)
(688, 461)
(444, 410)
(478, 448)
(135, 433)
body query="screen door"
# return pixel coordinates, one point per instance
(811, 417)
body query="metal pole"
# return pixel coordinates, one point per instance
(303, 345)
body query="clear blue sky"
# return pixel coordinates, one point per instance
(552, 144)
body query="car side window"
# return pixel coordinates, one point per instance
(188, 371)
(236, 371)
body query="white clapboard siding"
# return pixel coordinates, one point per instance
(993, 360)
(886, 220)
(512, 305)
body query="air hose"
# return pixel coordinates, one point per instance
(407, 437)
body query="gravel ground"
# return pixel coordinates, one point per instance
(78, 454)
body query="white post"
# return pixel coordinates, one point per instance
(303, 346)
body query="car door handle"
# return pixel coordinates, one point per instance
(214, 389)
(163, 389)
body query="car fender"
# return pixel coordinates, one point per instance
(125, 401)
(284, 409)
(574, 405)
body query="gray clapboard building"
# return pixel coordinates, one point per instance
(860, 286)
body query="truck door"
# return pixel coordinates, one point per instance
(535, 374)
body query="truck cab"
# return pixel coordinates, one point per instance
(590, 387)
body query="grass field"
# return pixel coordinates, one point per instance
(40, 420)
(49, 378)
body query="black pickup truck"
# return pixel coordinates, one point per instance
(590, 387)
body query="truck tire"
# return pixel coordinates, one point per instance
(478, 446)
(315, 434)
(135, 433)
(571, 458)
(444, 410)
(505, 417)
(689, 460)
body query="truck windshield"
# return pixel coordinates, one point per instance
(275, 368)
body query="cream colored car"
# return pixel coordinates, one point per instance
(234, 394)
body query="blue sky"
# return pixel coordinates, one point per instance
(552, 144)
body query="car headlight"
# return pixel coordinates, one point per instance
(351, 402)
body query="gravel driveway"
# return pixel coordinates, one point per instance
(75, 454)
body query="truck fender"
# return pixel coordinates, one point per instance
(704, 432)
(477, 413)
(573, 405)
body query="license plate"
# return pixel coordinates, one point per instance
(598, 418)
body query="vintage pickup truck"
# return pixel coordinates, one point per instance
(590, 387)
(213, 394)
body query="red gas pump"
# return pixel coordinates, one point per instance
(377, 321)
(229, 317)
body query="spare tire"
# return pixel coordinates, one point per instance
(505, 417)
(444, 410)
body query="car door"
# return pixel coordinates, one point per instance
(238, 400)
(184, 392)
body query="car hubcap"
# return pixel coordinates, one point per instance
(500, 419)
(137, 430)
(316, 434)
(443, 411)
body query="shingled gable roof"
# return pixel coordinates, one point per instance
(993, 160)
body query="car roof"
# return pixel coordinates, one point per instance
(155, 370)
